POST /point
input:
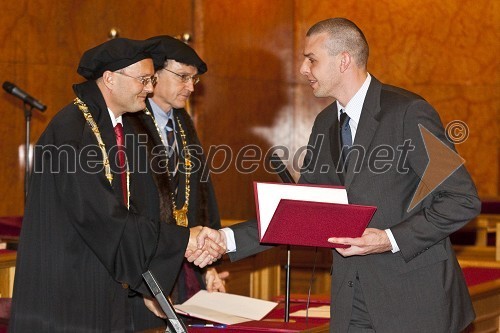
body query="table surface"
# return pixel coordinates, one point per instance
(273, 322)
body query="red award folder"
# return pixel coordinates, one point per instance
(311, 223)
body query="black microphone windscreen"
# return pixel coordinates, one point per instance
(8, 86)
(19, 93)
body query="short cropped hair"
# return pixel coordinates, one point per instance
(344, 35)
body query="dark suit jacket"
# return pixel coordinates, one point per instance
(421, 288)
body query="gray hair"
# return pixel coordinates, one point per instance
(343, 35)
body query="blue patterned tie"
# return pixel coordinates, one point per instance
(345, 135)
(172, 156)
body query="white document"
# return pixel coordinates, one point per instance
(316, 312)
(270, 194)
(225, 308)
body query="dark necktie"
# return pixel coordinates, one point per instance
(171, 151)
(345, 135)
(122, 164)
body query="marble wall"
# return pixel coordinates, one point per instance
(445, 51)
(252, 94)
(41, 43)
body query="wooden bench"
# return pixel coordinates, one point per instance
(483, 279)
(485, 227)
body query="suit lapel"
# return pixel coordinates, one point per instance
(367, 127)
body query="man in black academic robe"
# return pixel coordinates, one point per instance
(88, 234)
(178, 68)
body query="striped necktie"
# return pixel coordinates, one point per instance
(122, 164)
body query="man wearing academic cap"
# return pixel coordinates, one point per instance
(168, 125)
(92, 223)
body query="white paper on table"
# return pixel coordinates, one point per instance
(315, 312)
(270, 194)
(225, 308)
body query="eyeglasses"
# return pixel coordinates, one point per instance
(142, 79)
(185, 78)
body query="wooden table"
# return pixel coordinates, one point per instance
(273, 322)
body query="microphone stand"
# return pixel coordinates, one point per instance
(287, 293)
(286, 177)
(27, 115)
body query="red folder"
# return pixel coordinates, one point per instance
(307, 223)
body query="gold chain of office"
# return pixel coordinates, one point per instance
(105, 159)
(180, 215)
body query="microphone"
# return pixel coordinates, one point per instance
(19, 93)
(280, 168)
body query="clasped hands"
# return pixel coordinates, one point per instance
(205, 246)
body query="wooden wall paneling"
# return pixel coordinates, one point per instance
(310, 268)
(239, 280)
(7, 267)
(34, 33)
(257, 276)
(12, 42)
(478, 108)
(253, 92)
(239, 121)
(445, 52)
(248, 49)
(41, 44)
(12, 136)
(265, 278)
(421, 47)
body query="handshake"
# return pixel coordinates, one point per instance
(205, 246)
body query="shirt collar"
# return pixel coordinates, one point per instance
(161, 116)
(113, 119)
(355, 105)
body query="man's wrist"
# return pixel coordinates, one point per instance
(228, 235)
(395, 247)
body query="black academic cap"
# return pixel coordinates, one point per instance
(113, 55)
(172, 48)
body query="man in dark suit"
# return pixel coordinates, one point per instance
(401, 275)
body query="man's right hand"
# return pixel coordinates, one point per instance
(204, 247)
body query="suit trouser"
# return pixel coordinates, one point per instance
(360, 318)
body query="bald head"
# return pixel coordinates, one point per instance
(343, 36)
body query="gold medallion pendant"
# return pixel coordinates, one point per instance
(181, 217)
